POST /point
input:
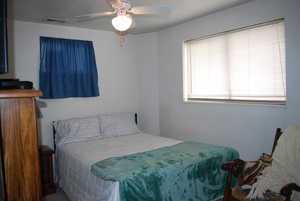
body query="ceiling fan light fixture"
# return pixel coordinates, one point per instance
(122, 22)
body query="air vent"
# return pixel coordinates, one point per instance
(54, 20)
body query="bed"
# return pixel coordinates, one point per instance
(75, 158)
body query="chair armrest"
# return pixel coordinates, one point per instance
(288, 189)
(228, 166)
(234, 167)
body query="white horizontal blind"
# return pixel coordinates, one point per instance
(248, 64)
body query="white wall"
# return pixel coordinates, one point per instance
(117, 68)
(147, 54)
(248, 128)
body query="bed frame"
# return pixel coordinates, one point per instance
(54, 131)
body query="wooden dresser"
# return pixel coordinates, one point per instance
(20, 170)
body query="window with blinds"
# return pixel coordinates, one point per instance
(247, 64)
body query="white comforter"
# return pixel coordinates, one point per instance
(75, 160)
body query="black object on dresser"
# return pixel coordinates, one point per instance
(46, 160)
(6, 84)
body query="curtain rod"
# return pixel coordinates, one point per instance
(276, 21)
(65, 38)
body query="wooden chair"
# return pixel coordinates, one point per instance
(236, 167)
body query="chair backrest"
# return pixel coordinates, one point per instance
(277, 136)
(252, 169)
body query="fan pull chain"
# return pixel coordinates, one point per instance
(121, 35)
(121, 41)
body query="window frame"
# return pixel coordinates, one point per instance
(186, 69)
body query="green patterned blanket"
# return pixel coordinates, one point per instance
(188, 171)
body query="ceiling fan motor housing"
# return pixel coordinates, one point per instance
(122, 12)
(121, 6)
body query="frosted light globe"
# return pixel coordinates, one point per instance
(122, 22)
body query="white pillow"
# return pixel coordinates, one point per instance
(118, 124)
(77, 129)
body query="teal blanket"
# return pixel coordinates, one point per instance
(188, 171)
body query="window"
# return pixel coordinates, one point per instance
(240, 65)
(67, 68)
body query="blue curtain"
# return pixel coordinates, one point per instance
(67, 68)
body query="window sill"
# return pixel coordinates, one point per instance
(237, 102)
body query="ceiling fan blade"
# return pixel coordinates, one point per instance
(150, 10)
(92, 16)
(110, 2)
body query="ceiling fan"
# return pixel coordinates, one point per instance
(123, 14)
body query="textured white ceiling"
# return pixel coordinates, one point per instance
(181, 11)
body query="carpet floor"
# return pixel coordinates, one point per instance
(58, 196)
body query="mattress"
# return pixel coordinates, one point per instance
(75, 160)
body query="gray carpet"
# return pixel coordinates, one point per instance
(59, 196)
